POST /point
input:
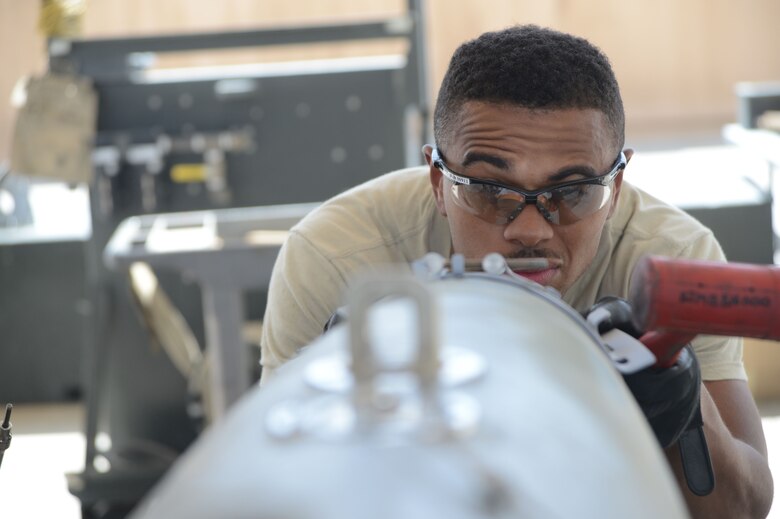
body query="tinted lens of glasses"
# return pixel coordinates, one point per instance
(561, 206)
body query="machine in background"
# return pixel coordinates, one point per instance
(199, 139)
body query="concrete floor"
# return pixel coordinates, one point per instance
(48, 442)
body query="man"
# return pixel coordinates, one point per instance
(528, 162)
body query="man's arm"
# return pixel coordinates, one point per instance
(305, 290)
(732, 426)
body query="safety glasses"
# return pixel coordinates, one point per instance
(563, 204)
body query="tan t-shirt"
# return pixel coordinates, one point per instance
(393, 220)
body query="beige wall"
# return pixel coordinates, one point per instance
(677, 60)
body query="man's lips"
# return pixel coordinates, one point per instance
(543, 277)
(541, 271)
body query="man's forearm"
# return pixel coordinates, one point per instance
(743, 482)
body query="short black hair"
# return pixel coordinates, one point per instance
(530, 67)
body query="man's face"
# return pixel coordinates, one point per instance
(528, 150)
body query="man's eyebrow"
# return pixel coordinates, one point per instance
(472, 157)
(559, 176)
(570, 171)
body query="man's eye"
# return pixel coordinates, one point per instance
(570, 193)
(490, 190)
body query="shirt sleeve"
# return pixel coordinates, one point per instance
(304, 291)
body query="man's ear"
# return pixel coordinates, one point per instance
(436, 178)
(618, 183)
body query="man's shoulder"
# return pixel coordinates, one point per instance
(643, 218)
(376, 213)
(393, 186)
(373, 202)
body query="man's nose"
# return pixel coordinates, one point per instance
(529, 228)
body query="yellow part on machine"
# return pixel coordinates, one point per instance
(183, 173)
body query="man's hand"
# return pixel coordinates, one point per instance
(669, 397)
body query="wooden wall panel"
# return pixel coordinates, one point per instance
(113, 17)
(677, 60)
(680, 60)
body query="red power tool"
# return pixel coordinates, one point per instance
(675, 300)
